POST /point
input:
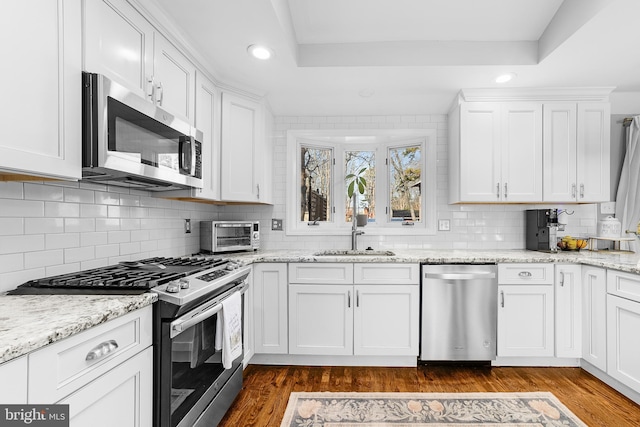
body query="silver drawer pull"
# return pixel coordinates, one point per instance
(102, 350)
(525, 274)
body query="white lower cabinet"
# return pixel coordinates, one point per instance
(525, 310)
(103, 373)
(348, 309)
(385, 320)
(14, 372)
(594, 316)
(568, 310)
(270, 308)
(321, 319)
(525, 321)
(121, 397)
(623, 324)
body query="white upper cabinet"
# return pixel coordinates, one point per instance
(208, 121)
(576, 152)
(174, 79)
(515, 146)
(496, 152)
(123, 45)
(40, 82)
(119, 44)
(243, 160)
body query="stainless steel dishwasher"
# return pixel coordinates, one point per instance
(459, 312)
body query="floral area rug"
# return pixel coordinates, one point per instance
(427, 409)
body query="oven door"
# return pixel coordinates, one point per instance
(230, 237)
(194, 387)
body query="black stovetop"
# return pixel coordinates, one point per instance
(124, 278)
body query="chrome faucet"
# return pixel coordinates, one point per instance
(354, 228)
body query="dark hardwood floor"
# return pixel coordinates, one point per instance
(266, 389)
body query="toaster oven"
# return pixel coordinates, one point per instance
(229, 236)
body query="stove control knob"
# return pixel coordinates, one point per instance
(173, 287)
(184, 283)
(231, 266)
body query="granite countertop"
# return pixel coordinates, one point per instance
(629, 262)
(29, 322)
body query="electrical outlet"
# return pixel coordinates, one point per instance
(276, 224)
(444, 225)
(608, 208)
(187, 226)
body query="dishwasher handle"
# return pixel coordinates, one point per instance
(461, 276)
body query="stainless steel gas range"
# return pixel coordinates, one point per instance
(193, 386)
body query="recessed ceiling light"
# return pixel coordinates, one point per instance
(503, 78)
(260, 52)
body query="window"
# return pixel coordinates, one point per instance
(397, 165)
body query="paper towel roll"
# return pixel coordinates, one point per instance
(563, 218)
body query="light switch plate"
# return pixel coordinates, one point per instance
(444, 225)
(276, 224)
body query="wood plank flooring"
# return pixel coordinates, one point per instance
(266, 389)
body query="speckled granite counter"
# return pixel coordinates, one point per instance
(28, 322)
(619, 261)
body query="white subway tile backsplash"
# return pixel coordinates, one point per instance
(11, 226)
(107, 224)
(61, 209)
(94, 238)
(107, 251)
(9, 281)
(11, 262)
(105, 198)
(21, 208)
(62, 240)
(43, 258)
(77, 195)
(74, 255)
(21, 243)
(119, 236)
(79, 225)
(43, 225)
(43, 192)
(11, 190)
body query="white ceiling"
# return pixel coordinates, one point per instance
(409, 56)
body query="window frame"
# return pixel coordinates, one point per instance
(381, 141)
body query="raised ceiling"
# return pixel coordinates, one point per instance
(383, 57)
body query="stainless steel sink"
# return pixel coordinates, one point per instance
(353, 253)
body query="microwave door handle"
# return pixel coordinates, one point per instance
(186, 149)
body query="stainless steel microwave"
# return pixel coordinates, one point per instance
(129, 141)
(229, 236)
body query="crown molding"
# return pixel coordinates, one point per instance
(569, 94)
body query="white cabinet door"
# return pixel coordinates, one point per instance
(576, 152)
(14, 372)
(594, 316)
(525, 321)
(386, 319)
(270, 308)
(118, 42)
(623, 355)
(593, 152)
(321, 319)
(241, 143)
(208, 121)
(500, 149)
(122, 397)
(521, 148)
(568, 310)
(40, 82)
(174, 79)
(480, 177)
(560, 145)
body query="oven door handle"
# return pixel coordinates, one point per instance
(185, 322)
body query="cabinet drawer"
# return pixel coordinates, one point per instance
(625, 285)
(526, 274)
(59, 369)
(386, 274)
(14, 372)
(335, 273)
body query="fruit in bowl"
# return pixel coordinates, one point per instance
(568, 243)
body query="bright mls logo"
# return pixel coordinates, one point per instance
(34, 415)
